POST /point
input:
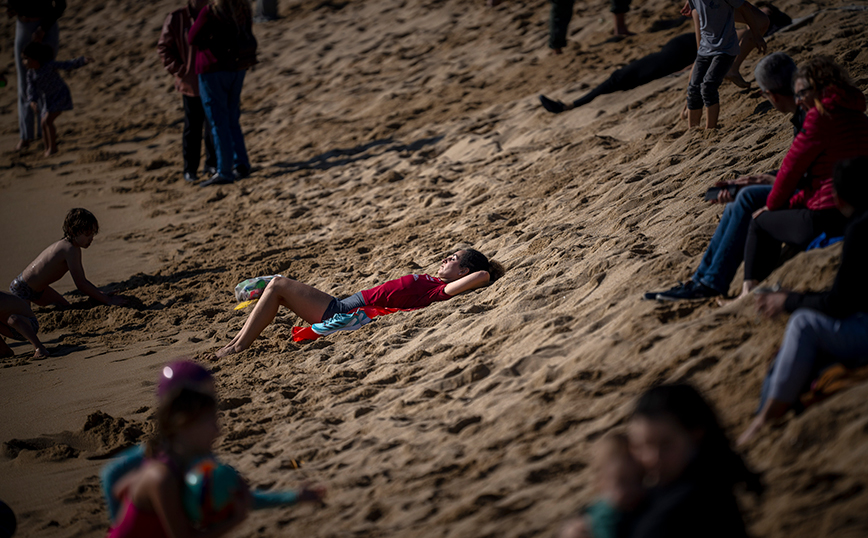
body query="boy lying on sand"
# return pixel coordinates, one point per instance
(34, 283)
(18, 322)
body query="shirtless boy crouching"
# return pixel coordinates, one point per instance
(34, 283)
(18, 322)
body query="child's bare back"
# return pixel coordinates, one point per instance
(34, 283)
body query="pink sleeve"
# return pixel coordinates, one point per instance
(198, 24)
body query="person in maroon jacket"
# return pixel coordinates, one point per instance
(801, 204)
(178, 58)
(465, 270)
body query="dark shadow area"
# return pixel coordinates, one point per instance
(341, 157)
(667, 24)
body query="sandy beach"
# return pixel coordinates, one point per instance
(385, 134)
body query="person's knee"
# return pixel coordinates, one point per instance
(694, 97)
(710, 95)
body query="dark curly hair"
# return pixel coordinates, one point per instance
(40, 52)
(821, 72)
(474, 261)
(851, 182)
(79, 221)
(176, 414)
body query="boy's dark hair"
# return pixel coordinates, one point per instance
(476, 261)
(40, 52)
(79, 221)
(850, 181)
(683, 404)
(176, 414)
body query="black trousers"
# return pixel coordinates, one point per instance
(194, 124)
(795, 227)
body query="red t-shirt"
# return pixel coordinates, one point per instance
(407, 293)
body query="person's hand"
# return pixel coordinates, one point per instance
(686, 9)
(760, 43)
(754, 179)
(771, 304)
(38, 35)
(576, 527)
(34, 106)
(312, 494)
(760, 211)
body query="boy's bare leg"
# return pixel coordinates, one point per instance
(746, 44)
(693, 118)
(22, 325)
(50, 297)
(22, 144)
(306, 301)
(49, 133)
(711, 115)
(621, 26)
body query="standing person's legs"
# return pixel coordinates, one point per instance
(240, 159)
(194, 120)
(559, 22)
(726, 249)
(718, 69)
(215, 101)
(694, 90)
(619, 8)
(27, 124)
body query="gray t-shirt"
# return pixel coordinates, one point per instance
(717, 26)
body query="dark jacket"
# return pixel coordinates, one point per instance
(47, 11)
(177, 54)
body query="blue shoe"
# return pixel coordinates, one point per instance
(688, 291)
(341, 322)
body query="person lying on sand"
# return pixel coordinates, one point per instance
(18, 322)
(825, 327)
(462, 271)
(34, 283)
(774, 75)
(676, 55)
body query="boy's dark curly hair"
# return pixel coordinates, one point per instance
(79, 221)
(476, 261)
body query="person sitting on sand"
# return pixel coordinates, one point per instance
(774, 74)
(718, 47)
(462, 271)
(800, 205)
(688, 462)
(832, 325)
(47, 93)
(619, 482)
(34, 283)
(18, 322)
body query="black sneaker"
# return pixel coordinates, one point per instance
(216, 179)
(191, 177)
(242, 171)
(555, 107)
(686, 291)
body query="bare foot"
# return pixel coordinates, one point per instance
(41, 353)
(623, 33)
(751, 431)
(22, 144)
(231, 349)
(736, 78)
(50, 151)
(557, 51)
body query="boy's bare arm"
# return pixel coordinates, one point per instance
(757, 21)
(76, 270)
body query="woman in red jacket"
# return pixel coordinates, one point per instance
(465, 270)
(801, 205)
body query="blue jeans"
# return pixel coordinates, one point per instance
(726, 249)
(811, 334)
(221, 99)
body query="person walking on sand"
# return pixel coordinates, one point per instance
(178, 59)
(225, 49)
(34, 283)
(562, 11)
(714, 21)
(47, 93)
(36, 21)
(462, 271)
